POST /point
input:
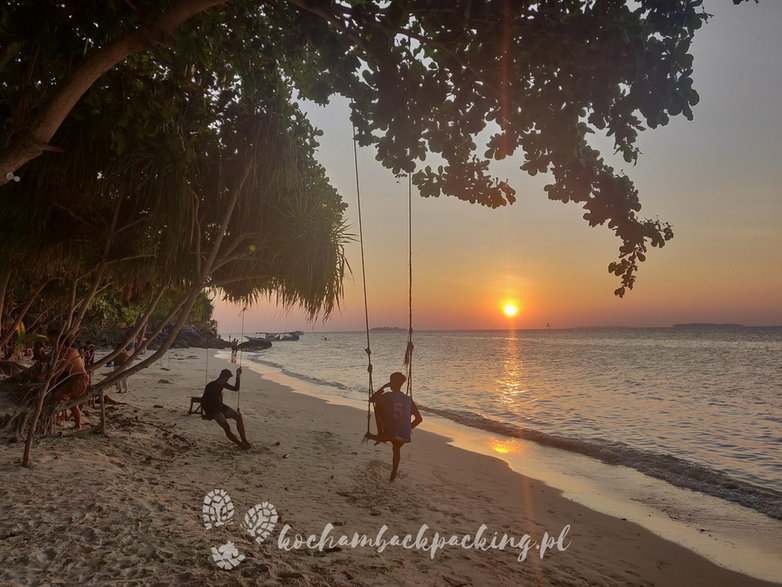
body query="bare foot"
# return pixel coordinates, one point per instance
(375, 437)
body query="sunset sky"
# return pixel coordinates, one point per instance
(717, 180)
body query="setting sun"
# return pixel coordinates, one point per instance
(510, 309)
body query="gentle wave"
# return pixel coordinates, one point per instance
(301, 376)
(671, 469)
(668, 468)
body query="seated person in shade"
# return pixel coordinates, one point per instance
(70, 379)
(393, 413)
(215, 409)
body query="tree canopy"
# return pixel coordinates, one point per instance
(160, 178)
(136, 105)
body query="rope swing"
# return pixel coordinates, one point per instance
(206, 365)
(409, 348)
(239, 392)
(368, 349)
(408, 359)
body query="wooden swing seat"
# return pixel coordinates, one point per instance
(195, 401)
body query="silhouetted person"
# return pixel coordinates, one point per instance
(393, 413)
(215, 409)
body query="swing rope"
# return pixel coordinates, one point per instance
(409, 348)
(363, 281)
(239, 391)
(408, 360)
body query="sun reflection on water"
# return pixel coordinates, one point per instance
(509, 383)
(506, 446)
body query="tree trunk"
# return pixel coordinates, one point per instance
(33, 421)
(140, 323)
(185, 306)
(5, 277)
(51, 373)
(72, 308)
(30, 145)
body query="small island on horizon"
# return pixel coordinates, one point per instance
(707, 325)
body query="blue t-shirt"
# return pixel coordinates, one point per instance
(394, 409)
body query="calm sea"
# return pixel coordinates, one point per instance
(698, 407)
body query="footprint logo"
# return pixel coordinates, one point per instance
(260, 521)
(227, 556)
(218, 510)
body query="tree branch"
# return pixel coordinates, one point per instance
(34, 141)
(142, 320)
(101, 266)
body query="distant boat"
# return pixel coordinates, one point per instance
(274, 336)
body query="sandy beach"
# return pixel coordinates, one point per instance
(129, 509)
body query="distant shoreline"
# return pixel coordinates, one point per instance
(707, 325)
(694, 325)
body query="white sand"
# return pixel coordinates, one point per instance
(128, 509)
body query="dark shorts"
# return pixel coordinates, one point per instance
(71, 386)
(222, 414)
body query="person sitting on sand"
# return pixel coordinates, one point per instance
(393, 413)
(215, 409)
(70, 377)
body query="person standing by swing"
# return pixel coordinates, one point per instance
(215, 409)
(395, 415)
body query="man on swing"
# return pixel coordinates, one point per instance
(215, 409)
(393, 413)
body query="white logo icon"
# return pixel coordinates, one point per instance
(227, 556)
(218, 510)
(259, 522)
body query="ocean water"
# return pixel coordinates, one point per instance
(698, 407)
